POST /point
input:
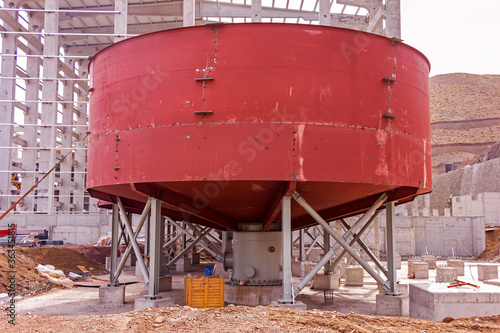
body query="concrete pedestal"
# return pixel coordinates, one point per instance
(419, 269)
(297, 306)
(487, 272)
(301, 268)
(195, 258)
(183, 265)
(321, 281)
(389, 305)
(431, 260)
(446, 274)
(436, 301)
(128, 262)
(138, 271)
(143, 303)
(251, 295)
(458, 264)
(165, 283)
(112, 295)
(354, 276)
(219, 270)
(402, 289)
(398, 261)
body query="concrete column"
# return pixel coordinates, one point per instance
(393, 22)
(49, 108)
(256, 10)
(7, 93)
(324, 12)
(286, 230)
(30, 118)
(66, 141)
(121, 19)
(155, 250)
(188, 13)
(391, 248)
(80, 154)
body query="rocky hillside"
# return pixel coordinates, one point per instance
(465, 117)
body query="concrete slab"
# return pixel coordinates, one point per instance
(321, 281)
(436, 301)
(112, 295)
(495, 282)
(251, 295)
(390, 305)
(298, 306)
(143, 303)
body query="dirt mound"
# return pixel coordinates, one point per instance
(492, 251)
(489, 154)
(29, 282)
(465, 110)
(244, 319)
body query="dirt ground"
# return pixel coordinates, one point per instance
(492, 251)
(243, 319)
(28, 281)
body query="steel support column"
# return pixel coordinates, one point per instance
(144, 215)
(133, 239)
(301, 245)
(115, 220)
(341, 241)
(286, 230)
(391, 248)
(189, 247)
(326, 248)
(155, 250)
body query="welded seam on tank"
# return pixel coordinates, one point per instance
(260, 123)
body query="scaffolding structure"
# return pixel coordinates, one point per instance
(46, 47)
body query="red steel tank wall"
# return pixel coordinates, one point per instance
(288, 103)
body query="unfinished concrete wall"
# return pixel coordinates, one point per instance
(471, 180)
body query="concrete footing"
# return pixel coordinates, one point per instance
(183, 265)
(112, 295)
(128, 262)
(143, 303)
(301, 268)
(436, 301)
(297, 306)
(354, 276)
(402, 289)
(398, 261)
(195, 258)
(458, 264)
(390, 305)
(219, 270)
(487, 272)
(430, 260)
(321, 281)
(252, 295)
(419, 269)
(446, 274)
(165, 283)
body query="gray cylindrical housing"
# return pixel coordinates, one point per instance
(257, 257)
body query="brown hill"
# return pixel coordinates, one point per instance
(465, 117)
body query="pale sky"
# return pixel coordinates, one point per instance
(457, 36)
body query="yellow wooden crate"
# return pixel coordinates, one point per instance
(204, 291)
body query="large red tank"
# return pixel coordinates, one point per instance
(219, 121)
